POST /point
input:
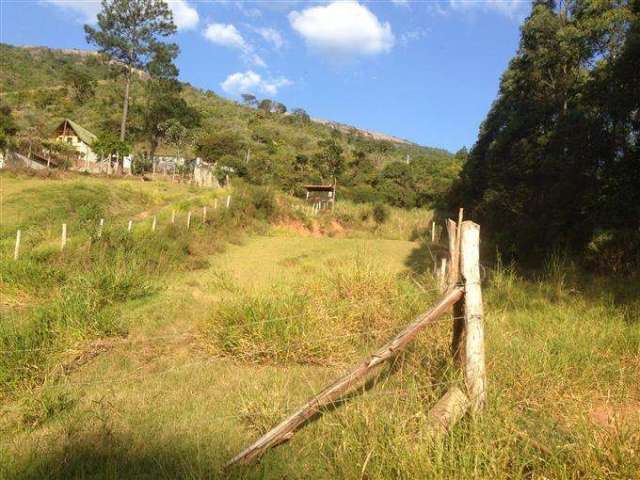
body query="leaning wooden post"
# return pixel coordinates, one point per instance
(188, 219)
(130, 226)
(63, 239)
(153, 224)
(16, 250)
(228, 200)
(100, 227)
(474, 367)
(285, 429)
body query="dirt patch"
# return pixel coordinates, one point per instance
(316, 229)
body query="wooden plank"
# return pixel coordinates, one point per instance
(474, 366)
(16, 250)
(285, 430)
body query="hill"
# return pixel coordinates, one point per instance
(40, 85)
(160, 354)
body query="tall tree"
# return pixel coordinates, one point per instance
(130, 32)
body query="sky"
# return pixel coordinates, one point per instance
(426, 71)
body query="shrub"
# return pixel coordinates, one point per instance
(380, 213)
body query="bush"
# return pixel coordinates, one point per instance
(380, 213)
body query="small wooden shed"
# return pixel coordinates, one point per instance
(324, 196)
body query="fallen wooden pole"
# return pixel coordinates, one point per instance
(285, 430)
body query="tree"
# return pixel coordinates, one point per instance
(109, 146)
(214, 145)
(249, 99)
(265, 105)
(129, 31)
(8, 128)
(82, 84)
(175, 134)
(278, 107)
(556, 162)
(329, 160)
(301, 116)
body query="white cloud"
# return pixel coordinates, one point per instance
(515, 9)
(400, 3)
(252, 82)
(343, 29)
(184, 16)
(272, 36)
(227, 35)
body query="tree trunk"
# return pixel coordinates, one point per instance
(125, 105)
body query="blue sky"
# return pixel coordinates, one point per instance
(426, 71)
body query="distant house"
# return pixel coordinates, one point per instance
(79, 137)
(324, 196)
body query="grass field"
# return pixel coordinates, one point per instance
(226, 333)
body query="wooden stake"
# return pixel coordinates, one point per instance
(173, 216)
(130, 226)
(204, 214)
(188, 219)
(228, 200)
(442, 275)
(100, 227)
(433, 232)
(215, 203)
(63, 240)
(474, 367)
(153, 224)
(16, 250)
(457, 338)
(285, 430)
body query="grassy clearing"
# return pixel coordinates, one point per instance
(200, 373)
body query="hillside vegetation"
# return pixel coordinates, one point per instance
(43, 86)
(161, 354)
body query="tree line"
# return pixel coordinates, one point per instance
(557, 161)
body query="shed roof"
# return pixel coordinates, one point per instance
(83, 134)
(320, 188)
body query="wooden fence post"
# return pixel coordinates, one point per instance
(228, 200)
(16, 250)
(173, 216)
(100, 227)
(188, 219)
(433, 232)
(215, 203)
(63, 239)
(474, 366)
(130, 226)
(442, 275)
(204, 214)
(153, 224)
(457, 338)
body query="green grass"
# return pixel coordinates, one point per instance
(194, 372)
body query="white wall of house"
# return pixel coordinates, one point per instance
(80, 146)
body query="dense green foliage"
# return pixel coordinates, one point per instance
(557, 160)
(262, 146)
